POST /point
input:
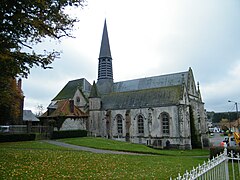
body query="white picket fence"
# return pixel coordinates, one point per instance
(215, 169)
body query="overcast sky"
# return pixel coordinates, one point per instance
(149, 38)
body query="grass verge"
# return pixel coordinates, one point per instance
(31, 145)
(108, 144)
(58, 164)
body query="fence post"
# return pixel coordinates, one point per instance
(238, 159)
(217, 168)
(29, 126)
(226, 163)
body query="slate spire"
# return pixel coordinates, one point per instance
(105, 47)
(105, 59)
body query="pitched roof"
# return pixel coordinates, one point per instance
(70, 88)
(29, 116)
(143, 98)
(151, 82)
(94, 91)
(62, 109)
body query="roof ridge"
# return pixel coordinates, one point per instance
(77, 79)
(153, 76)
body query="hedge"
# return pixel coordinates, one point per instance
(17, 137)
(214, 151)
(68, 134)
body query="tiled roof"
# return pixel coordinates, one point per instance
(154, 97)
(63, 110)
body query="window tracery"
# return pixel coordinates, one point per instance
(119, 124)
(140, 124)
(165, 123)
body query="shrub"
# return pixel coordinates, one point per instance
(214, 151)
(16, 137)
(68, 134)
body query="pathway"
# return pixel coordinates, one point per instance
(93, 150)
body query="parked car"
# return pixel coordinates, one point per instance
(223, 144)
(230, 141)
(4, 129)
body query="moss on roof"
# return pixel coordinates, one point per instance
(69, 89)
(94, 91)
(143, 98)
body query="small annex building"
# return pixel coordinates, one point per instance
(64, 115)
(29, 117)
(160, 111)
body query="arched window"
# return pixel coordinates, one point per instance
(140, 124)
(119, 124)
(78, 100)
(165, 123)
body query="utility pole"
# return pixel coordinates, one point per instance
(236, 104)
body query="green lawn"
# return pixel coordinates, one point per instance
(31, 145)
(39, 160)
(102, 143)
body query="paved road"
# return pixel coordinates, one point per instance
(93, 150)
(216, 139)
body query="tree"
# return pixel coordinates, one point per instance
(217, 117)
(40, 110)
(27, 22)
(11, 94)
(225, 124)
(24, 23)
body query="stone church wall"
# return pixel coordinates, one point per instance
(79, 100)
(97, 123)
(105, 124)
(200, 122)
(74, 124)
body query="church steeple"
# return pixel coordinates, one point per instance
(105, 59)
(105, 47)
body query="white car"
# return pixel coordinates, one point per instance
(4, 129)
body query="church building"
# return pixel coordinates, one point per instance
(163, 111)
